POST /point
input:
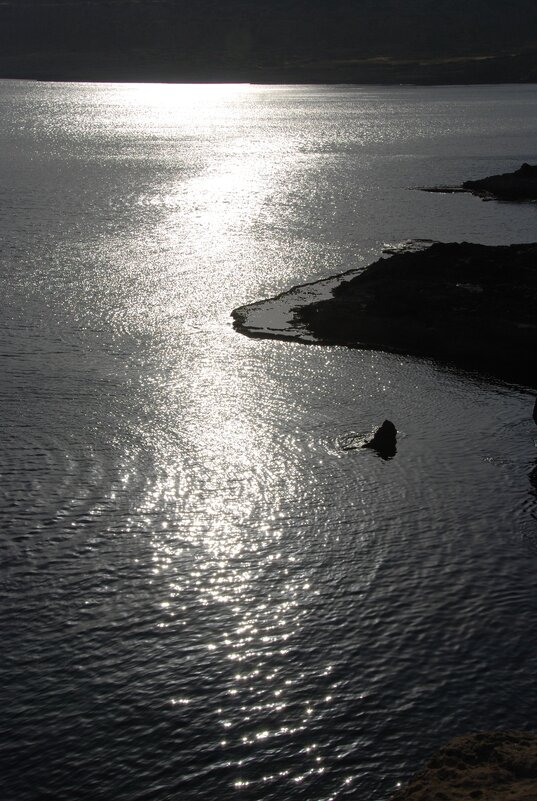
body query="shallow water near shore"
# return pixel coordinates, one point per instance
(203, 595)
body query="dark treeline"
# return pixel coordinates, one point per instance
(270, 39)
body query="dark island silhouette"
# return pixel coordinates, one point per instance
(467, 305)
(520, 185)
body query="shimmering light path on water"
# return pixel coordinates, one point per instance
(202, 594)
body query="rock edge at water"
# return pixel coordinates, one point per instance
(472, 306)
(491, 766)
(520, 185)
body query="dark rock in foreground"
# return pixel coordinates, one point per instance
(493, 766)
(384, 441)
(518, 185)
(474, 306)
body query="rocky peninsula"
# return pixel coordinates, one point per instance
(471, 306)
(520, 185)
(493, 766)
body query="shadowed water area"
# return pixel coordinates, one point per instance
(203, 594)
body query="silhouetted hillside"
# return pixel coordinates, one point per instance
(265, 40)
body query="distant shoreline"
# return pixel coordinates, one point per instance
(243, 82)
(469, 70)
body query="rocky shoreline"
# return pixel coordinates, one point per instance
(490, 766)
(467, 305)
(520, 185)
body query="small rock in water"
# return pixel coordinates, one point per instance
(385, 440)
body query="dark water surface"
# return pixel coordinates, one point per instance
(202, 595)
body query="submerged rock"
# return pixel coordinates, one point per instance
(385, 440)
(493, 766)
(518, 185)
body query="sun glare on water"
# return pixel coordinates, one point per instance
(166, 99)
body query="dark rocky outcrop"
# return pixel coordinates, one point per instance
(473, 306)
(493, 766)
(518, 185)
(385, 440)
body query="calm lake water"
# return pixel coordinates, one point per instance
(202, 595)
